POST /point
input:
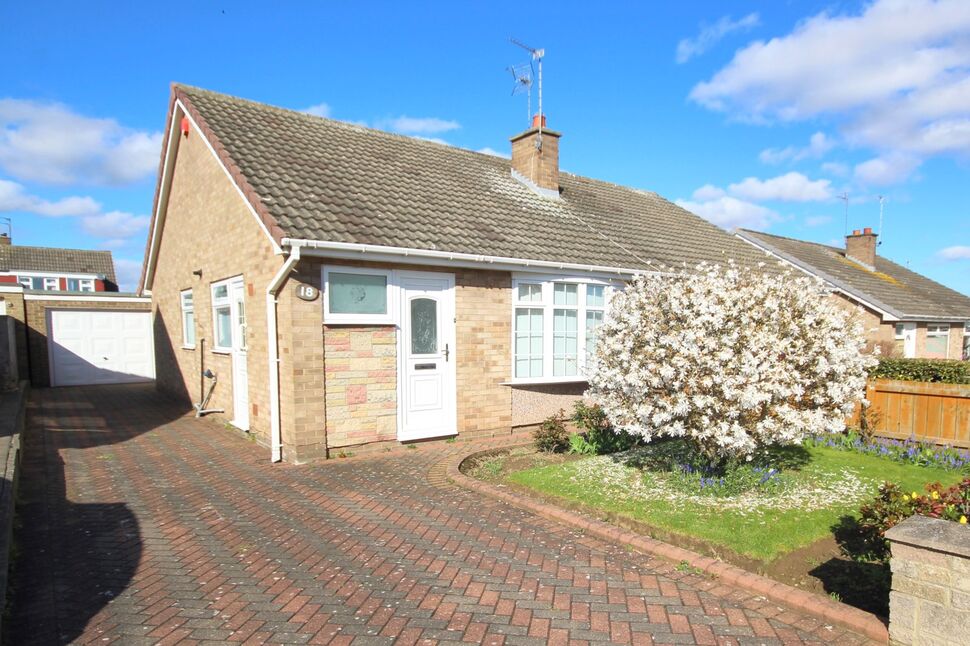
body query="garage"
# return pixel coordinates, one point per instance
(99, 346)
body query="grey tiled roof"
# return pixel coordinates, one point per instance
(900, 291)
(52, 259)
(326, 180)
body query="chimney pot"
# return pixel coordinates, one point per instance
(856, 232)
(5, 239)
(536, 119)
(867, 230)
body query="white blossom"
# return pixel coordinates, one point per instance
(733, 359)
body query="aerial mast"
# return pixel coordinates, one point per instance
(537, 55)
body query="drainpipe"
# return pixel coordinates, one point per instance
(276, 430)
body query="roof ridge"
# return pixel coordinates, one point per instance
(24, 246)
(781, 237)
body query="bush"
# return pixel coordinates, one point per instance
(866, 538)
(552, 435)
(732, 360)
(600, 437)
(947, 371)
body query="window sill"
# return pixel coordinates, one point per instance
(545, 381)
(222, 351)
(188, 347)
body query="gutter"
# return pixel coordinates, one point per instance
(353, 250)
(276, 430)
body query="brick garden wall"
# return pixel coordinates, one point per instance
(17, 312)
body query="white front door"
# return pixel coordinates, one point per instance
(909, 340)
(426, 351)
(240, 373)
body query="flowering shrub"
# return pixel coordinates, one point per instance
(552, 434)
(910, 451)
(733, 360)
(865, 539)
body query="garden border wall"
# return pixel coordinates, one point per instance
(13, 408)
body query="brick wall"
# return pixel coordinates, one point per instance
(930, 598)
(36, 314)
(209, 227)
(877, 332)
(17, 311)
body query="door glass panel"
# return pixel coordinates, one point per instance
(424, 326)
(241, 322)
(223, 328)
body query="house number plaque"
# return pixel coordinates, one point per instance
(307, 292)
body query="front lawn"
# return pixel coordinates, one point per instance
(821, 485)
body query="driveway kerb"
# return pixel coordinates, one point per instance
(807, 602)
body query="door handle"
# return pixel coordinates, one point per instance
(447, 352)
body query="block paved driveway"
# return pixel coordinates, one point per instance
(139, 524)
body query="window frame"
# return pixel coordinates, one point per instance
(216, 304)
(548, 306)
(344, 318)
(190, 309)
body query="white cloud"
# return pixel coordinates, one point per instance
(114, 224)
(419, 125)
(318, 110)
(959, 252)
(729, 212)
(711, 35)
(128, 273)
(707, 193)
(494, 153)
(790, 187)
(896, 77)
(836, 168)
(49, 143)
(888, 169)
(818, 145)
(817, 220)
(13, 197)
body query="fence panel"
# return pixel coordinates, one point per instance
(928, 411)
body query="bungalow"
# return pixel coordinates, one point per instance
(906, 314)
(348, 288)
(55, 269)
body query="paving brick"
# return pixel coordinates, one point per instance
(146, 524)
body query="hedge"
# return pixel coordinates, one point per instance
(934, 370)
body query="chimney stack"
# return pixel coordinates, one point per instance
(535, 156)
(5, 240)
(861, 247)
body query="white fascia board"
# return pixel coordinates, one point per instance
(884, 311)
(380, 253)
(88, 299)
(10, 288)
(174, 139)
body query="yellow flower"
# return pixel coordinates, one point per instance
(906, 497)
(963, 520)
(936, 495)
(914, 495)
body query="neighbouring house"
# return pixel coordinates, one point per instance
(69, 324)
(54, 269)
(353, 288)
(906, 314)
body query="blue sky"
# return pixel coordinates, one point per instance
(750, 114)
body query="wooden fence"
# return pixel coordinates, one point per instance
(928, 411)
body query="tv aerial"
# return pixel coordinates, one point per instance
(523, 75)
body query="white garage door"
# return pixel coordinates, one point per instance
(100, 347)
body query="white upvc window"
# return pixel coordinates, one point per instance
(358, 296)
(221, 317)
(188, 318)
(937, 340)
(80, 285)
(52, 284)
(28, 282)
(554, 322)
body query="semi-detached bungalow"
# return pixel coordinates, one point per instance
(349, 287)
(905, 313)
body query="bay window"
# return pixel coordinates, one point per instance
(554, 327)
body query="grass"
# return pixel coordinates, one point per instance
(828, 485)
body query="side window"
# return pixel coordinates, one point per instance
(188, 319)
